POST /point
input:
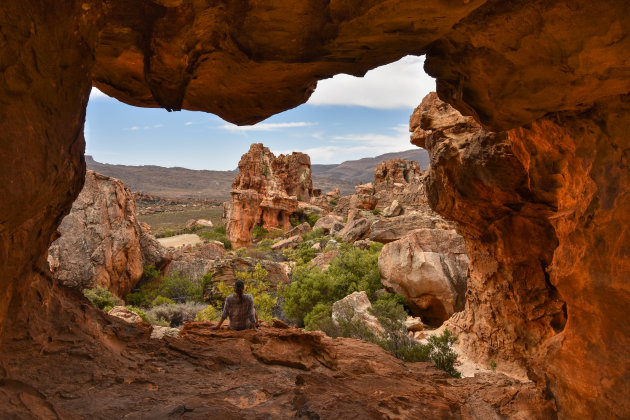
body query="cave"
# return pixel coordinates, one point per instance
(541, 196)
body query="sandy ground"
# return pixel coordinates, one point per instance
(178, 241)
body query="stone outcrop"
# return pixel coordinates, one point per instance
(266, 192)
(101, 242)
(330, 224)
(391, 229)
(354, 308)
(396, 171)
(428, 267)
(125, 314)
(355, 230)
(557, 69)
(531, 203)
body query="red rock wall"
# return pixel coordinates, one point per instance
(531, 203)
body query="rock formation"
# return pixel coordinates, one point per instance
(101, 242)
(266, 192)
(428, 267)
(545, 204)
(531, 203)
(355, 308)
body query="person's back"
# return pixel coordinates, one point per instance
(239, 308)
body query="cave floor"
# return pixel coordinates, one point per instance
(272, 373)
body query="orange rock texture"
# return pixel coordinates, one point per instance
(551, 201)
(266, 192)
(532, 203)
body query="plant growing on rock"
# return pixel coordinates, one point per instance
(102, 298)
(175, 287)
(175, 314)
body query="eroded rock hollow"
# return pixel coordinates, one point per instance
(544, 206)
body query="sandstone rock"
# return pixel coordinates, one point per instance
(204, 222)
(396, 172)
(414, 324)
(393, 209)
(308, 208)
(323, 260)
(300, 230)
(194, 263)
(355, 230)
(363, 243)
(330, 224)
(125, 314)
(266, 192)
(394, 228)
(333, 195)
(428, 267)
(159, 332)
(291, 242)
(101, 242)
(354, 308)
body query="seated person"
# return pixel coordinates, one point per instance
(240, 309)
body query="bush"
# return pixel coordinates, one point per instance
(216, 234)
(208, 314)
(376, 212)
(259, 232)
(265, 245)
(319, 318)
(303, 254)
(314, 235)
(176, 287)
(442, 352)
(161, 300)
(300, 217)
(352, 270)
(140, 312)
(176, 314)
(102, 298)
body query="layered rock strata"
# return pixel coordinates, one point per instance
(101, 241)
(266, 192)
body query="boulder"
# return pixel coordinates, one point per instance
(396, 172)
(355, 308)
(308, 208)
(300, 229)
(330, 224)
(125, 314)
(414, 324)
(355, 230)
(391, 229)
(160, 332)
(101, 242)
(429, 268)
(291, 242)
(392, 210)
(323, 260)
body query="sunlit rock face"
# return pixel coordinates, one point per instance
(558, 69)
(101, 241)
(266, 192)
(544, 215)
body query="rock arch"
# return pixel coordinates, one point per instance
(556, 74)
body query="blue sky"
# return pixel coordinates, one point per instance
(346, 118)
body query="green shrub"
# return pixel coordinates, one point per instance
(442, 352)
(102, 298)
(300, 217)
(265, 245)
(320, 318)
(302, 254)
(168, 233)
(175, 287)
(161, 300)
(259, 231)
(150, 272)
(265, 170)
(208, 314)
(315, 235)
(352, 270)
(376, 212)
(311, 219)
(139, 311)
(217, 234)
(176, 314)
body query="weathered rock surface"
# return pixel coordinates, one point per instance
(266, 192)
(124, 314)
(531, 204)
(330, 224)
(508, 63)
(354, 308)
(324, 259)
(396, 171)
(394, 228)
(355, 230)
(291, 242)
(428, 267)
(195, 262)
(101, 242)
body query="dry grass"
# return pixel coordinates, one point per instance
(176, 220)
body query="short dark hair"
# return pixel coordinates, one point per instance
(239, 285)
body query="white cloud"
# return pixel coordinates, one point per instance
(397, 85)
(188, 123)
(97, 94)
(357, 146)
(267, 126)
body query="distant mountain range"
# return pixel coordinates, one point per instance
(186, 183)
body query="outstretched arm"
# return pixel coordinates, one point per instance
(224, 315)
